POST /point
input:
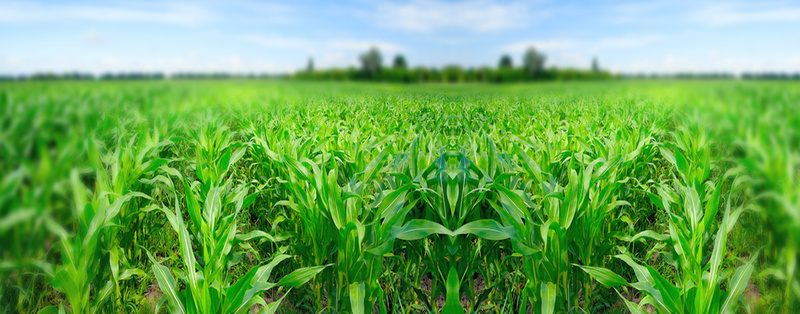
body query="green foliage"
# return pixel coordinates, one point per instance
(533, 62)
(505, 62)
(371, 62)
(348, 198)
(399, 62)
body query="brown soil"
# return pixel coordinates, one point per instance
(153, 295)
(752, 295)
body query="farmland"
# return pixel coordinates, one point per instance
(258, 196)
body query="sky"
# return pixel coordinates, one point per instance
(244, 36)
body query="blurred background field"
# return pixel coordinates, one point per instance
(400, 198)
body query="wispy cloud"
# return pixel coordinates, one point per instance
(545, 45)
(263, 12)
(794, 62)
(12, 61)
(362, 45)
(274, 41)
(620, 42)
(625, 42)
(335, 45)
(172, 13)
(93, 37)
(471, 15)
(643, 12)
(734, 13)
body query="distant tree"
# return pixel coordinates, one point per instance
(595, 65)
(533, 62)
(371, 62)
(399, 62)
(310, 66)
(505, 62)
(452, 74)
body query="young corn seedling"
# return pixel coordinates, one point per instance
(206, 273)
(128, 169)
(700, 276)
(85, 273)
(691, 204)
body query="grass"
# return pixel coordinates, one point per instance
(292, 197)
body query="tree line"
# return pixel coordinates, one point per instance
(372, 69)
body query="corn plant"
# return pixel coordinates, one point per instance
(691, 204)
(85, 274)
(700, 276)
(207, 276)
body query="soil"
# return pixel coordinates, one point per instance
(752, 295)
(153, 295)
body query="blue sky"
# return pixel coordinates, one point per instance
(258, 36)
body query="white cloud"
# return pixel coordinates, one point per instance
(622, 42)
(626, 42)
(234, 64)
(265, 12)
(12, 61)
(277, 41)
(735, 13)
(326, 53)
(544, 45)
(93, 36)
(110, 62)
(571, 59)
(172, 13)
(471, 15)
(363, 45)
(335, 45)
(642, 12)
(795, 60)
(336, 59)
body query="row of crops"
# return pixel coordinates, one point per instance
(210, 197)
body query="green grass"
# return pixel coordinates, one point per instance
(227, 196)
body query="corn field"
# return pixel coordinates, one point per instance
(287, 197)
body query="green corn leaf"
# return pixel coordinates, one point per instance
(130, 272)
(258, 234)
(237, 155)
(632, 307)
(104, 293)
(417, 229)
(646, 281)
(452, 302)
(645, 235)
(711, 207)
(373, 166)
(512, 203)
(486, 229)
(717, 255)
(113, 259)
(272, 307)
(604, 276)
(300, 276)
(166, 283)
(235, 299)
(49, 310)
(356, 290)
(16, 217)
(192, 207)
(548, 295)
(737, 284)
